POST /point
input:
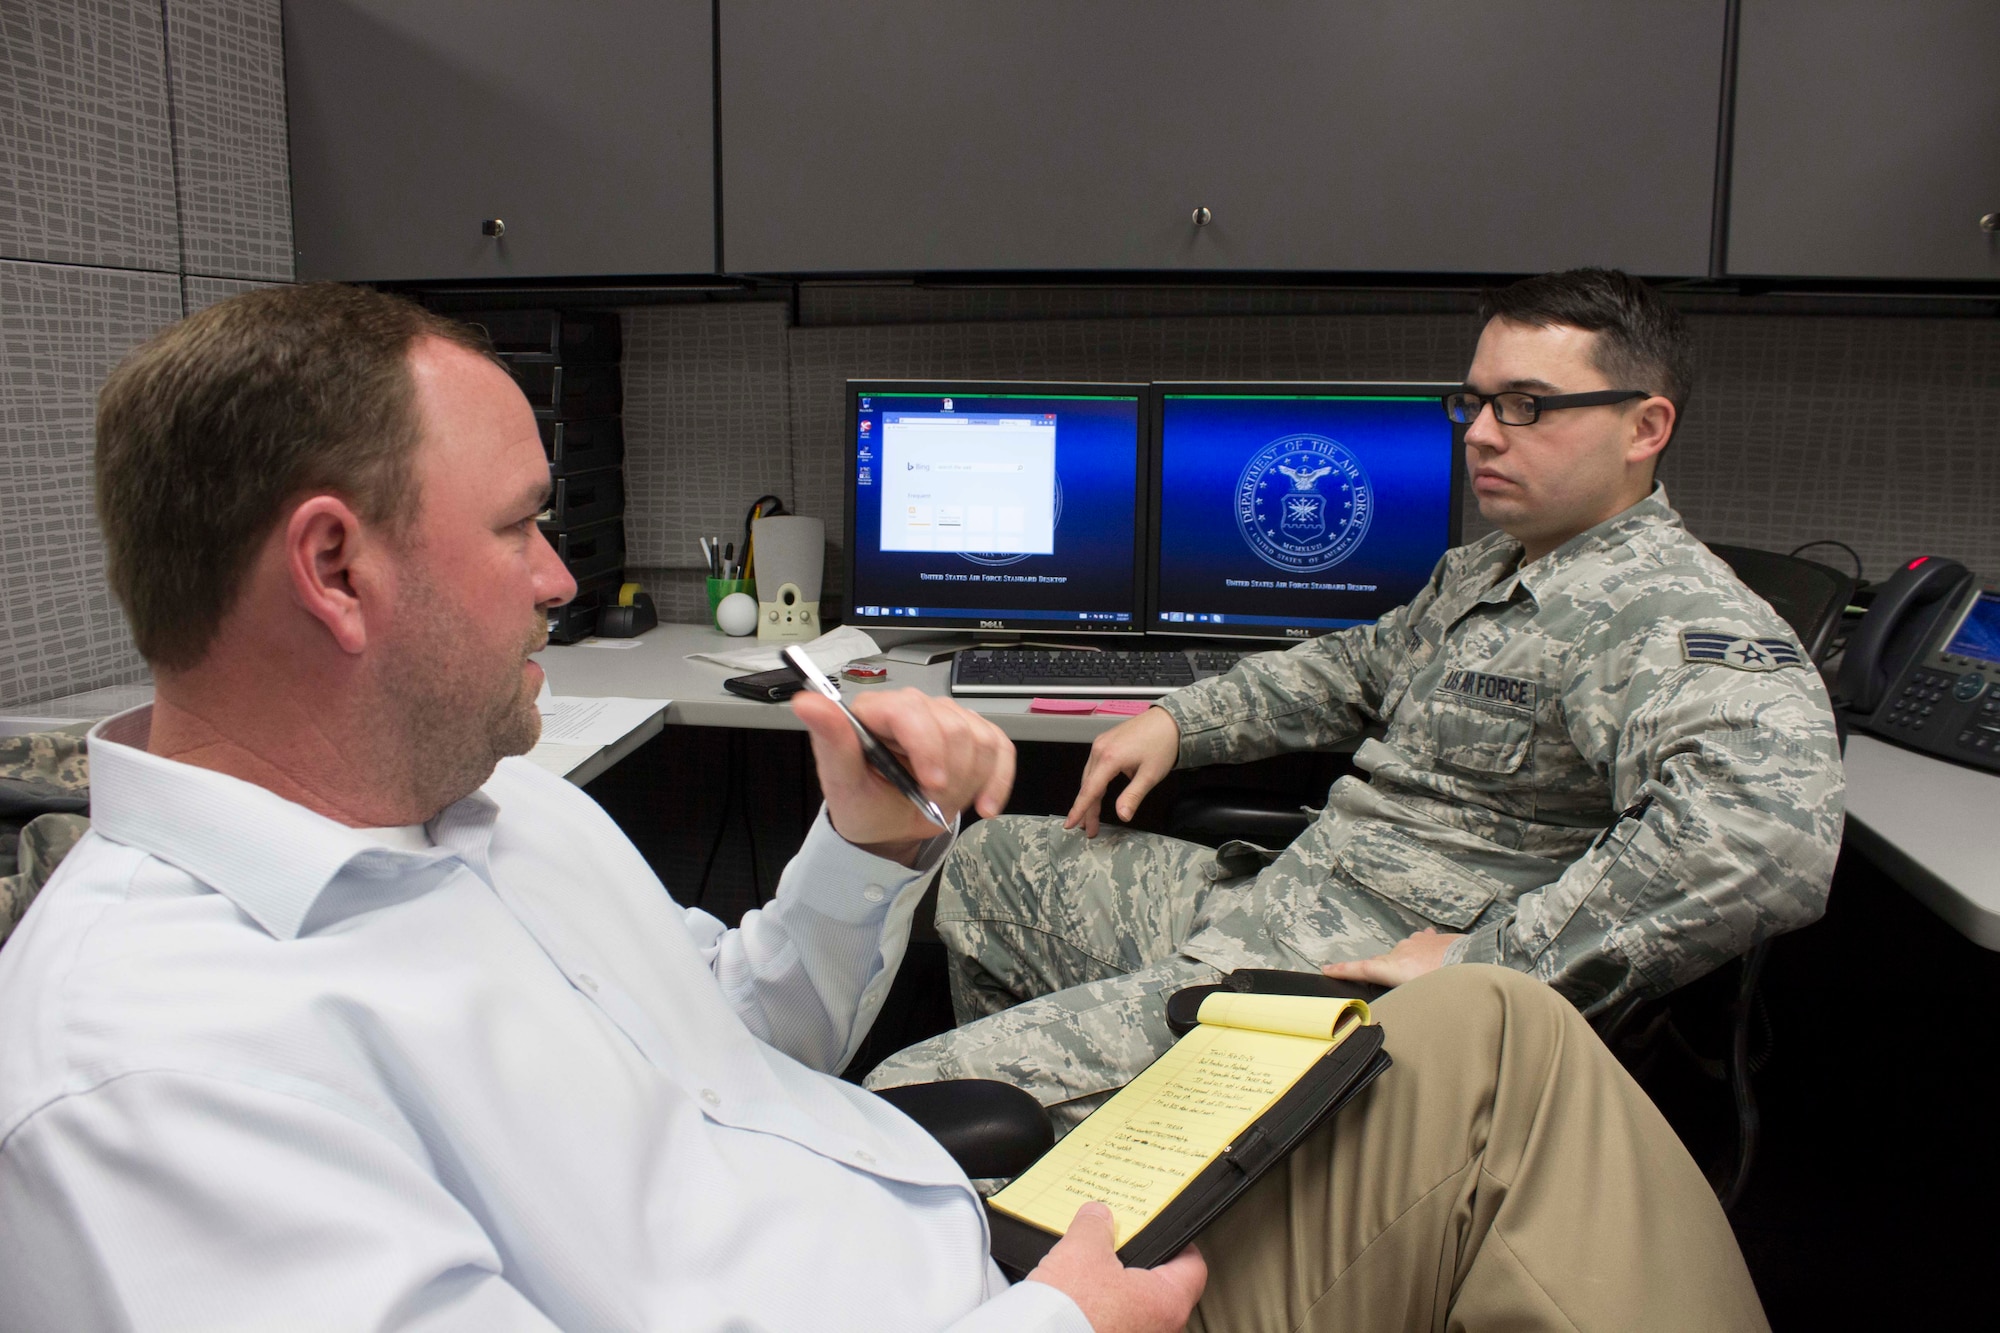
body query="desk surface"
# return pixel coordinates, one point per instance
(1934, 827)
(656, 666)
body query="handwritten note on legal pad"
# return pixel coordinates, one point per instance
(1141, 1148)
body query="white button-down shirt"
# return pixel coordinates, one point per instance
(259, 1070)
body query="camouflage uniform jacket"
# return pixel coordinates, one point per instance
(1613, 768)
(44, 792)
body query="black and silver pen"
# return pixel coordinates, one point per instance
(879, 756)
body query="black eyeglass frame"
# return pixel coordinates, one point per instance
(1537, 403)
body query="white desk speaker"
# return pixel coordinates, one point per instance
(790, 557)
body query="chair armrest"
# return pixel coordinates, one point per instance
(1214, 816)
(991, 1129)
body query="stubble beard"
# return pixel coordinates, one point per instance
(452, 718)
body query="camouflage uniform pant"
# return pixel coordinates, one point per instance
(44, 790)
(1063, 950)
(38, 849)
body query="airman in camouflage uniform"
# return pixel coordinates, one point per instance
(1611, 767)
(44, 792)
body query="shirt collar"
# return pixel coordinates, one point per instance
(273, 858)
(1620, 529)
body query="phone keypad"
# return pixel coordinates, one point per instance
(1911, 709)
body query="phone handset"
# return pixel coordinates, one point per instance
(1897, 627)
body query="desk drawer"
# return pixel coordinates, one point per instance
(590, 498)
(577, 618)
(583, 446)
(568, 393)
(591, 552)
(566, 336)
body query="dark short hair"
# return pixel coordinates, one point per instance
(1642, 342)
(209, 429)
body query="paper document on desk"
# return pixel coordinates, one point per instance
(561, 760)
(594, 722)
(926, 651)
(832, 651)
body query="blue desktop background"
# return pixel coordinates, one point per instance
(1098, 452)
(1405, 445)
(1979, 635)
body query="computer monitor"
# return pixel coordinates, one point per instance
(997, 506)
(1283, 511)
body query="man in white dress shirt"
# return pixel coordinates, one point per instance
(342, 1018)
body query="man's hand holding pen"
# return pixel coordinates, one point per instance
(957, 757)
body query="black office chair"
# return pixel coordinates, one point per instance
(1810, 597)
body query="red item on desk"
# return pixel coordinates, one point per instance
(1079, 707)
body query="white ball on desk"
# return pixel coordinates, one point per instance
(736, 614)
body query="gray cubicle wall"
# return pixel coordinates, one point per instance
(144, 175)
(1810, 420)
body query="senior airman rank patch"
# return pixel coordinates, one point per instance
(1732, 650)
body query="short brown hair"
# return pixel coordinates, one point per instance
(1642, 342)
(208, 429)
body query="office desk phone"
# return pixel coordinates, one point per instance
(1923, 667)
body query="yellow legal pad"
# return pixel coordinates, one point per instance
(1141, 1149)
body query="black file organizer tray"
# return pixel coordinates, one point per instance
(1329, 1085)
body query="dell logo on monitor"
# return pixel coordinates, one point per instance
(993, 624)
(1292, 632)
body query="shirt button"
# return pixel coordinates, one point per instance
(873, 893)
(709, 1095)
(863, 1155)
(587, 981)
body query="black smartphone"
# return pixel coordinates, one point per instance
(773, 687)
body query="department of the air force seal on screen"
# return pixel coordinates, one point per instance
(1303, 503)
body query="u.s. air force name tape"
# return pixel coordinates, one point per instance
(1503, 690)
(1733, 650)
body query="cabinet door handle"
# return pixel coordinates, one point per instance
(494, 227)
(1202, 217)
(1990, 222)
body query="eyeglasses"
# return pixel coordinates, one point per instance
(1521, 409)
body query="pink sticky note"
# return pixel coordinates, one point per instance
(1062, 705)
(1124, 707)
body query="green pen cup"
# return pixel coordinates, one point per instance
(721, 588)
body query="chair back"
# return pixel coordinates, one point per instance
(1810, 596)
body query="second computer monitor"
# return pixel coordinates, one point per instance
(1288, 510)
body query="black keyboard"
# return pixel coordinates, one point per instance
(1122, 673)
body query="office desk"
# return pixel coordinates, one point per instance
(656, 667)
(1933, 827)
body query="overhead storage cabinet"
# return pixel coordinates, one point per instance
(1417, 135)
(1867, 140)
(440, 139)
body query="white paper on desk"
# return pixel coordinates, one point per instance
(594, 722)
(561, 760)
(926, 651)
(831, 651)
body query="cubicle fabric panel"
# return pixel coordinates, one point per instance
(62, 329)
(86, 154)
(226, 62)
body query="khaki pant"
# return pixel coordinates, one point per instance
(1505, 1174)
